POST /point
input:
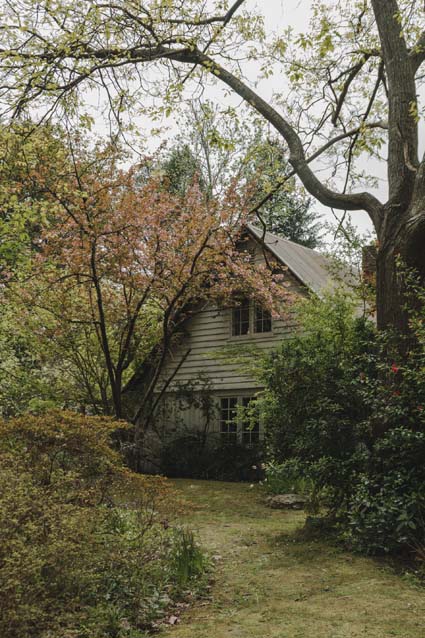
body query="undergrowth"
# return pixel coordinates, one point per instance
(89, 549)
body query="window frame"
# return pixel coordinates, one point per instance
(266, 316)
(252, 332)
(228, 435)
(241, 432)
(248, 432)
(243, 312)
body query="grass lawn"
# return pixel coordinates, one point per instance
(269, 584)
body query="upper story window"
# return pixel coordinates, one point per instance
(250, 318)
(241, 319)
(262, 319)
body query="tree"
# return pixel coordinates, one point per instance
(286, 210)
(291, 216)
(218, 147)
(23, 206)
(122, 263)
(362, 60)
(33, 374)
(181, 168)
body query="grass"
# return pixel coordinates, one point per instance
(272, 583)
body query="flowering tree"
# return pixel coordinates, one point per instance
(355, 74)
(123, 258)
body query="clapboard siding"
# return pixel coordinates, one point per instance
(207, 334)
(178, 419)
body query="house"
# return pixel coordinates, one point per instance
(207, 375)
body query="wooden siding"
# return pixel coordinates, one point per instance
(179, 419)
(208, 335)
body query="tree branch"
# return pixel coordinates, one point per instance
(417, 54)
(338, 138)
(224, 19)
(354, 201)
(352, 74)
(402, 127)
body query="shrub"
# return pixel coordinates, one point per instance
(207, 456)
(83, 552)
(286, 477)
(386, 511)
(344, 413)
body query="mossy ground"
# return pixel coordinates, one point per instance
(270, 583)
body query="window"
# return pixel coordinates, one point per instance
(240, 320)
(262, 319)
(243, 427)
(250, 423)
(250, 318)
(228, 422)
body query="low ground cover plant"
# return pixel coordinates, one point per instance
(86, 550)
(345, 416)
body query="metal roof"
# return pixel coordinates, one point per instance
(309, 266)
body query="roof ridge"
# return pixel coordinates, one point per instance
(310, 267)
(289, 241)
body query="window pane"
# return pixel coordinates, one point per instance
(250, 424)
(228, 423)
(262, 319)
(240, 320)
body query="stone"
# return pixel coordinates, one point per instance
(286, 501)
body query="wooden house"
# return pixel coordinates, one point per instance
(208, 375)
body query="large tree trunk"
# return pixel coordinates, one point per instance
(401, 247)
(389, 292)
(400, 225)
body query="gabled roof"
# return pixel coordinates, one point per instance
(309, 266)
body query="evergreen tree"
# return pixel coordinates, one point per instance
(291, 216)
(216, 151)
(181, 167)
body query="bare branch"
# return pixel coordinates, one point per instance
(352, 74)
(334, 140)
(354, 201)
(225, 19)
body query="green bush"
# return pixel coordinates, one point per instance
(83, 552)
(386, 511)
(344, 416)
(286, 477)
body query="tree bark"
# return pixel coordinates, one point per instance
(401, 245)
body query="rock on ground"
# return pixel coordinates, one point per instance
(286, 501)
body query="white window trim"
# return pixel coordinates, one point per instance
(251, 334)
(239, 423)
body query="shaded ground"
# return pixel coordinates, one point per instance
(270, 585)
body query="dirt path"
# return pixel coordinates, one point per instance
(268, 584)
